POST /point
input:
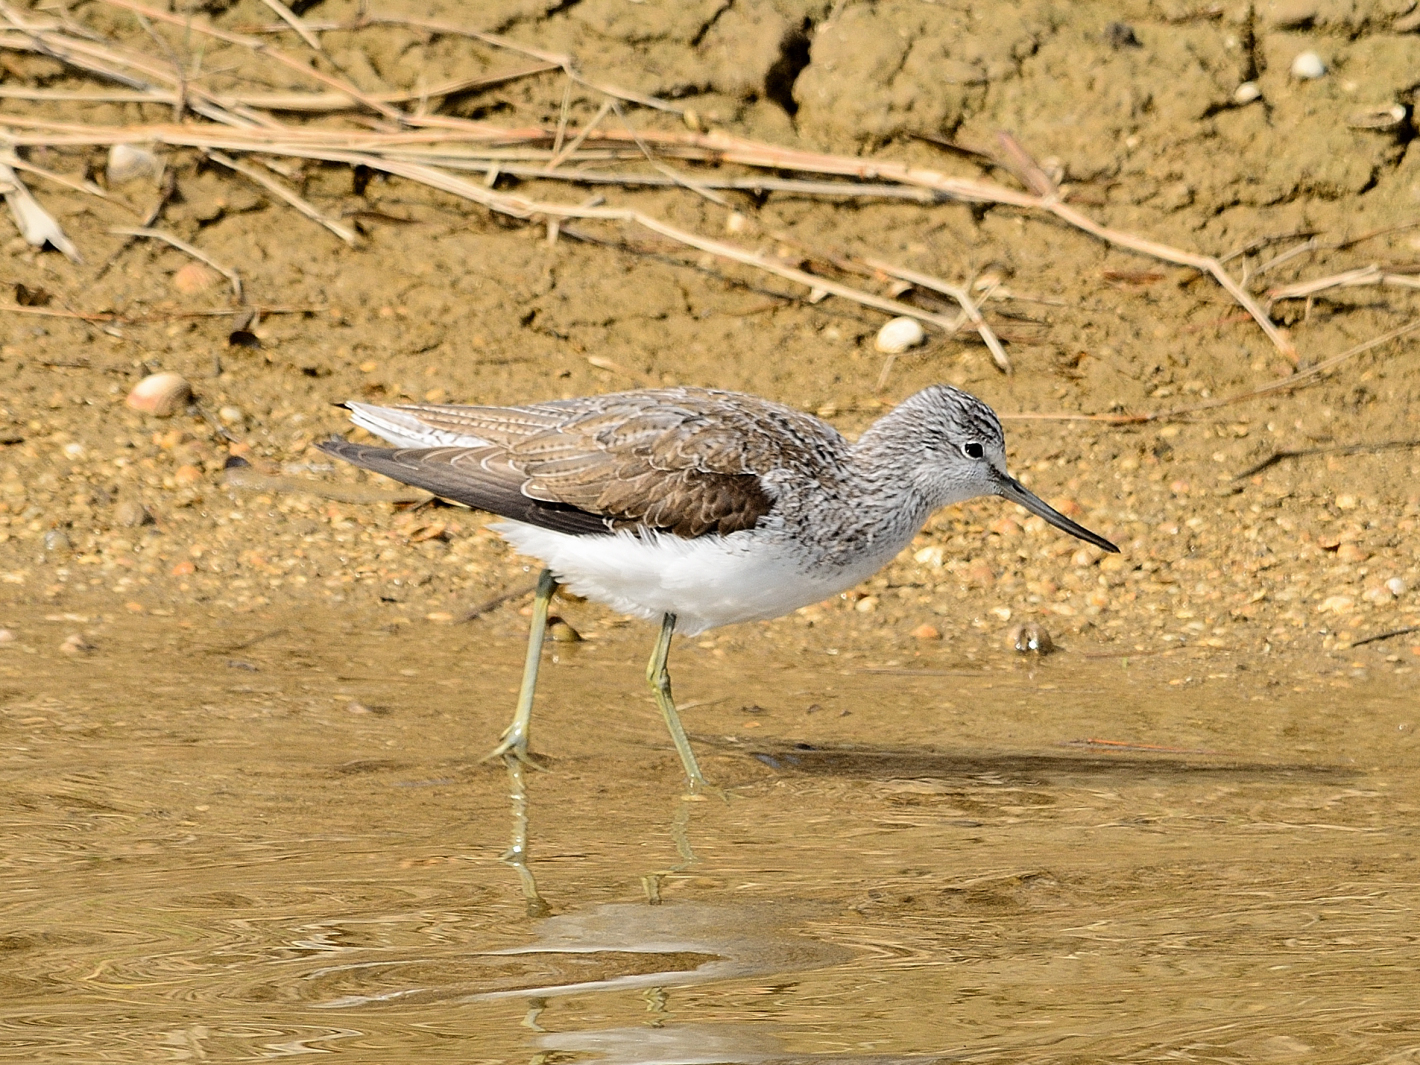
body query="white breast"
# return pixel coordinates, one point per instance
(706, 581)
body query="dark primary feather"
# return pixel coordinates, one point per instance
(683, 460)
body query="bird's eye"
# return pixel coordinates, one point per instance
(973, 450)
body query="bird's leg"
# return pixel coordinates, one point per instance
(515, 736)
(660, 679)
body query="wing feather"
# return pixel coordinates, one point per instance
(682, 460)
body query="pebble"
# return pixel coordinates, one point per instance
(561, 632)
(231, 416)
(736, 223)
(1396, 587)
(1308, 67)
(899, 335)
(160, 394)
(1031, 639)
(926, 632)
(75, 644)
(194, 278)
(58, 540)
(1247, 92)
(1378, 118)
(6, 636)
(130, 514)
(128, 162)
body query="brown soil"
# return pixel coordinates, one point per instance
(129, 559)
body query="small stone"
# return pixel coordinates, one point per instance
(1308, 67)
(1292, 14)
(926, 632)
(439, 616)
(561, 632)
(75, 644)
(232, 416)
(1396, 586)
(1350, 552)
(1382, 119)
(866, 605)
(187, 474)
(160, 394)
(736, 223)
(1121, 35)
(1346, 502)
(194, 278)
(6, 637)
(130, 514)
(1247, 92)
(57, 540)
(184, 569)
(128, 162)
(1031, 639)
(899, 335)
(1336, 604)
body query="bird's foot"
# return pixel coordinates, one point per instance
(513, 748)
(701, 789)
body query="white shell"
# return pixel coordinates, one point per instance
(127, 162)
(1247, 92)
(1308, 66)
(898, 335)
(161, 394)
(1395, 586)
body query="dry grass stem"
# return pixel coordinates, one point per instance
(1365, 275)
(279, 190)
(963, 298)
(558, 157)
(417, 146)
(183, 246)
(261, 47)
(1301, 379)
(36, 225)
(286, 15)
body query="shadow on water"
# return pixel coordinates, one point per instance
(876, 763)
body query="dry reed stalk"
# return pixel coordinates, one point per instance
(117, 65)
(560, 156)
(311, 103)
(286, 15)
(183, 246)
(1308, 376)
(260, 47)
(87, 187)
(275, 187)
(504, 203)
(963, 298)
(1364, 275)
(237, 112)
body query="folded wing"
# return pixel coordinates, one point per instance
(684, 461)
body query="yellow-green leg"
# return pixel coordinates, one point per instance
(515, 736)
(660, 679)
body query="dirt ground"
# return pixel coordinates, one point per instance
(452, 304)
(1262, 542)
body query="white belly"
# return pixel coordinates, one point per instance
(706, 582)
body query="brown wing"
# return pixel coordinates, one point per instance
(682, 460)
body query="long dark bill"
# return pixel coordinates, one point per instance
(1010, 488)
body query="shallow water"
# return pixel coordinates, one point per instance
(276, 838)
